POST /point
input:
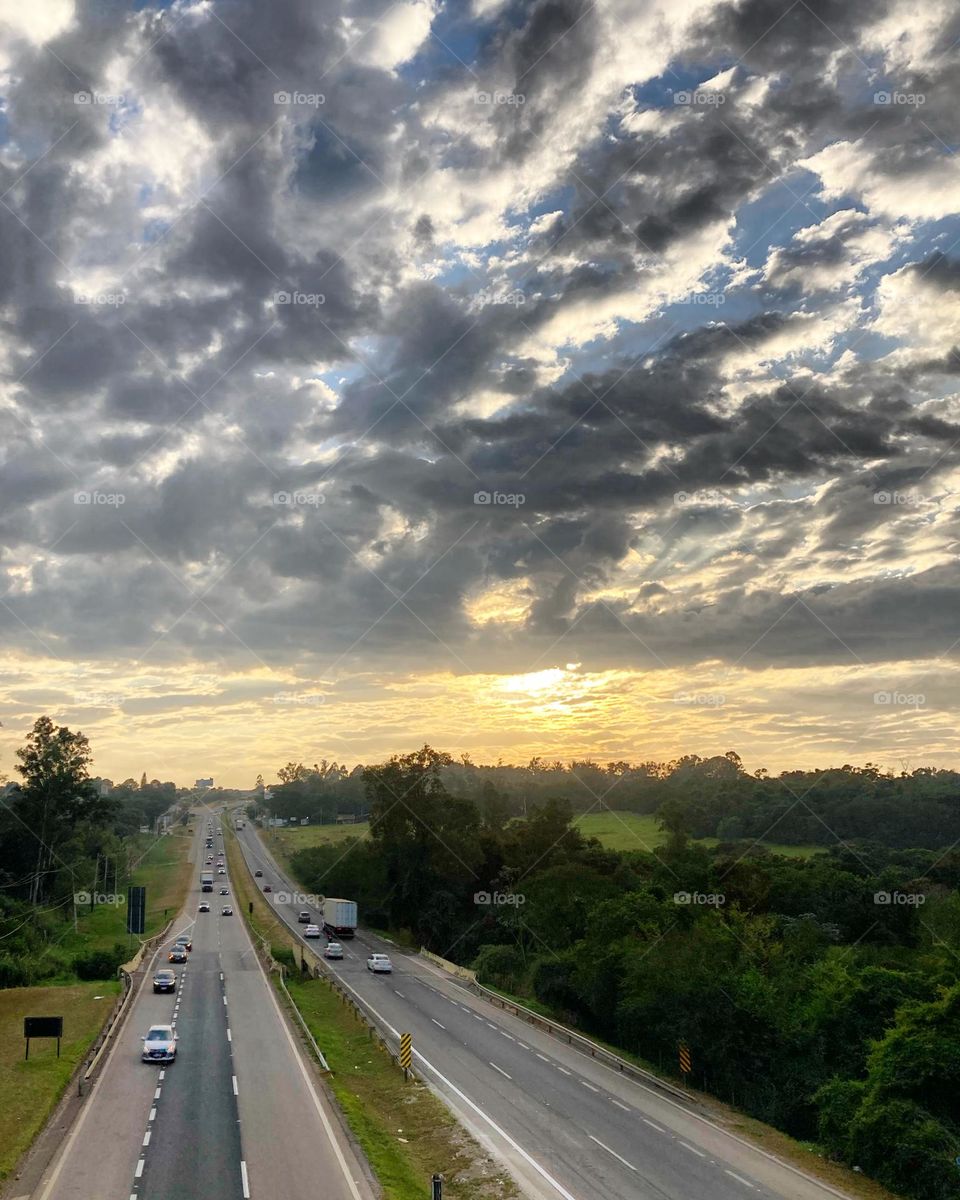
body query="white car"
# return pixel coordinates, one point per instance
(333, 950)
(160, 1044)
(380, 964)
(312, 931)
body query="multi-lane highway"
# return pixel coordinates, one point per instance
(568, 1127)
(239, 1115)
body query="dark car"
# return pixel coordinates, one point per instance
(185, 940)
(165, 981)
(224, 891)
(177, 955)
(258, 874)
(304, 918)
(267, 887)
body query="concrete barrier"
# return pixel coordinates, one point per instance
(450, 967)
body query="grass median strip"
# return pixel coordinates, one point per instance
(30, 1090)
(405, 1131)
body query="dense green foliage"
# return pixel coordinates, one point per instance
(818, 994)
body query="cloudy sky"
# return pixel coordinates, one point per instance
(522, 376)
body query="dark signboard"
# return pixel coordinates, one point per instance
(136, 909)
(42, 1027)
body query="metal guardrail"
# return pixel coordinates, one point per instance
(564, 1033)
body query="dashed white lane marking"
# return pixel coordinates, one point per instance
(244, 1180)
(491, 1024)
(162, 1073)
(236, 1090)
(523, 1045)
(153, 1115)
(400, 994)
(436, 1022)
(229, 1034)
(139, 1171)
(564, 1070)
(693, 1150)
(501, 1070)
(224, 999)
(156, 1094)
(654, 1125)
(543, 1056)
(583, 1083)
(738, 1178)
(625, 1107)
(508, 1035)
(613, 1152)
(146, 1138)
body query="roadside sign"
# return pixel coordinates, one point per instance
(406, 1050)
(136, 909)
(685, 1061)
(42, 1027)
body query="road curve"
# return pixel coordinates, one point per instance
(565, 1125)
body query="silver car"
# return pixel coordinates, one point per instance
(160, 1044)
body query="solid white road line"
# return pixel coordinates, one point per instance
(613, 1152)
(501, 1070)
(738, 1178)
(244, 1180)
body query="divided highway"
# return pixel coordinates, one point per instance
(568, 1127)
(238, 1116)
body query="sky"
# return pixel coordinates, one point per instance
(561, 378)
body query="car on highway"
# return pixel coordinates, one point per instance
(185, 940)
(380, 964)
(333, 950)
(304, 917)
(267, 887)
(312, 931)
(165, 981)
(177, 955)
(221, 870)
(160, 1044)
(224, 891)
(258, 874)
(203, 906)
(226, 911)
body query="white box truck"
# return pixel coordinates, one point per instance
(206, 881)
(339, 917)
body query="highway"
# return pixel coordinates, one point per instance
(238, 1116)
(566, 1126)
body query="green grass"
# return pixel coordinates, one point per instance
(641, 831)
(29, 1091)
(283, 843)
(164, 871)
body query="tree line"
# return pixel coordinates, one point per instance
(820, 993)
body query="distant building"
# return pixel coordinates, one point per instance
(203, 783)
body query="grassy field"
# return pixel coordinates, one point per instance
(164, 871)
(29, 1091)
(405, 1132)
(616, 830)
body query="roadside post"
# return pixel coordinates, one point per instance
(685, 1061)
(406, 1055)
(437, 1187)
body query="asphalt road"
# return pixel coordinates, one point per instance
(239, 1114)
(565, 1125)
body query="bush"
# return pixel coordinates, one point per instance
(101, 964)
(500, 967)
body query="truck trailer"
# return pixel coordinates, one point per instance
(339, 917)
(206, 881)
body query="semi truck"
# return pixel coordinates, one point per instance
(206, 881)
(339, 917)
